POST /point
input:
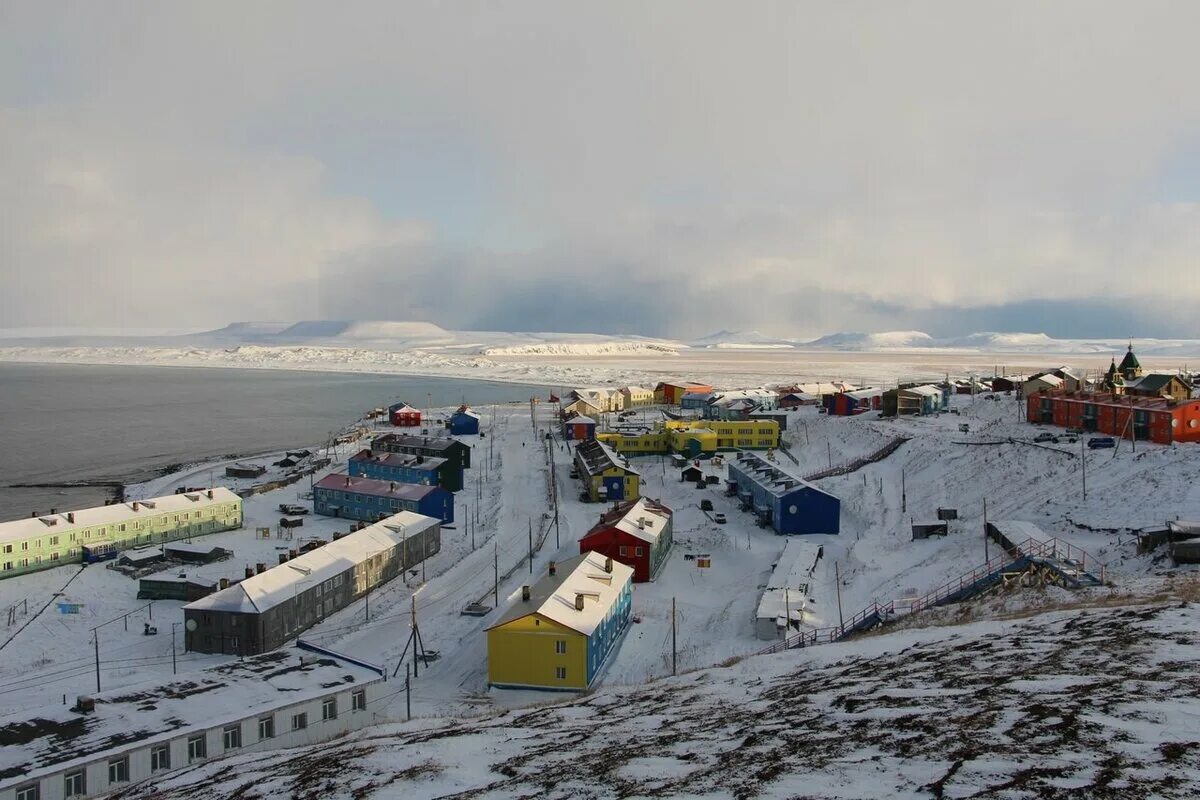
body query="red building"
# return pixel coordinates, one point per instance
(846, 404)
(636, 533)
(1150, 418)
(671, 394)
(402, 415)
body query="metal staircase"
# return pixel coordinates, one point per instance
(1054, 562)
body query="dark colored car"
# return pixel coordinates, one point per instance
(1097, 442)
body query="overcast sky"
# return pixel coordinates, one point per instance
(659, 168)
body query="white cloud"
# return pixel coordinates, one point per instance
(859, 158)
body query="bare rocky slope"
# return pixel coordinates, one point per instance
(1088, 702)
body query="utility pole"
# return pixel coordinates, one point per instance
(1083, 463)
(416, 669)
(408, 692)
(829, 452)
(986, 558)
(531, 546)
(496, 570)
(837, 577)
(673, 648)
(174, 667)
(787, 614)
(903, 493)
(96, 638)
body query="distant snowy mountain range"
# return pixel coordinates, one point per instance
(426, 336)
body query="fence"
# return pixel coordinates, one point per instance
(859, 463)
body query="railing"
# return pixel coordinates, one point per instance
(817, 636)
(859, 463)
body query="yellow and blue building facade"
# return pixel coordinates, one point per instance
(605, 474)
(561, 633)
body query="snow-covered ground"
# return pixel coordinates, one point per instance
(1086, 703)
(874, 554)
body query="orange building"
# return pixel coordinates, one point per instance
(1151, 418)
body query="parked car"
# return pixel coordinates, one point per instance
(1070, 439)
(294, 510)
(1076, 431)
(719, 518)
(706, 505)
(1044, 437)
(1097, 442)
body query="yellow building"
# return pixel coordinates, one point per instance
(643, 443)
(606, 476)
(637, 396)
(696, 437)
(559, 633)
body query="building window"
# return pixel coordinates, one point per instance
(622, 550)
(31, 792)
(560, 673)
(118, 770)
(638, 552)
(197, 748)
(358, 700)
(329, 708)
(299, 722)
(74, 784)
(266, 728)
(560, 646)
(160, 757)
(232, 736)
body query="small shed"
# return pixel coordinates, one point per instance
(245, 471)
(464, 422)
(285, 462)
(923, 530)
(140, 557)
(691, 475)
(196, 553)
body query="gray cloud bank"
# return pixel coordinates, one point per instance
(666, 168)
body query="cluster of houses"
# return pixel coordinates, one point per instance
(1127, 402)
(463, 422)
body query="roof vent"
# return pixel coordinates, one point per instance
(553, 568)
(579, 599)
(608, 564)
(71, 517)
(525, 594)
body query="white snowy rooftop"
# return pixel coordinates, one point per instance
(58, 524)
(791, 581)
(553, 596)
(44, 740)
(771, 475)
(654, 519)
(1017, 531)
(928, 390)
(267, 589)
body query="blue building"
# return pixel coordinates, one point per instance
(338, 495)
(464, 422)
(786, 503)
(406, 468)
(695, 400)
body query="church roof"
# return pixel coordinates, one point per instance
(1130, 360)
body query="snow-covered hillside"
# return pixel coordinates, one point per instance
(1087, 703)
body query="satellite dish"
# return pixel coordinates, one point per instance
(190, 625)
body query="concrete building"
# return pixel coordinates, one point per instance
(402, 468)
(637, 396)
(456, 452)
(787, 503)
(367, 499)
(560, 633)
(264, 611)
(100, 533)
(1154, 419)
(113, 740)
(637, 533)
